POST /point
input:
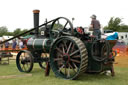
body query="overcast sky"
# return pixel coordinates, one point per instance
(18, 13)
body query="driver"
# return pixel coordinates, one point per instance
(95, 24)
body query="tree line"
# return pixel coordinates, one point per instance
(4, 31)
(115, 24)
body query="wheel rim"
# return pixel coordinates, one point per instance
(69, 60)
(42, 65)
(24, 61)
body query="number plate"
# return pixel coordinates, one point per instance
(42, 32)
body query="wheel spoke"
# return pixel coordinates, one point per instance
(24, 67)
(75, 65)
(58, 59)
(60, 64)
(21, 57)
(27, 64)
(60, 51)
(65, 70)
(77, 56)
(74, 52)
(61, 68)
(73, 60)
(68, 75)
(69, 47)
(63, 49)
(59, 55)
(65, 24)
(72, 68)
(58, 22)
(72, 48)
(65, 44)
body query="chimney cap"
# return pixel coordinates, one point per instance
(36, 11)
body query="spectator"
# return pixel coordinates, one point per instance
(6, 45)
(21, 44)
(1, 46)
(14, 45)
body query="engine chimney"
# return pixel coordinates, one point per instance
(36, 21)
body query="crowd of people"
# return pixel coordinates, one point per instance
(20, 45)
(15, 45)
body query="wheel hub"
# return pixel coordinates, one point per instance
(26, 60)
(23, 62)
(66, 58)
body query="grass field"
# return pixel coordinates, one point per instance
(38, 77)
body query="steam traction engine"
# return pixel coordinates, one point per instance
(70, 51)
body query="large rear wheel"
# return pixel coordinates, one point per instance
(68, 57)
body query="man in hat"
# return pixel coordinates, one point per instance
(95, 24)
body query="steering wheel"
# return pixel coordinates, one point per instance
(60, 26)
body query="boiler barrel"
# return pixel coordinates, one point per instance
(42, 45)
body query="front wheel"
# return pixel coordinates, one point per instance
(24, 61)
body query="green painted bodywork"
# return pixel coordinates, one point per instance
(42, 45)
(93, 66)
(96, 66)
